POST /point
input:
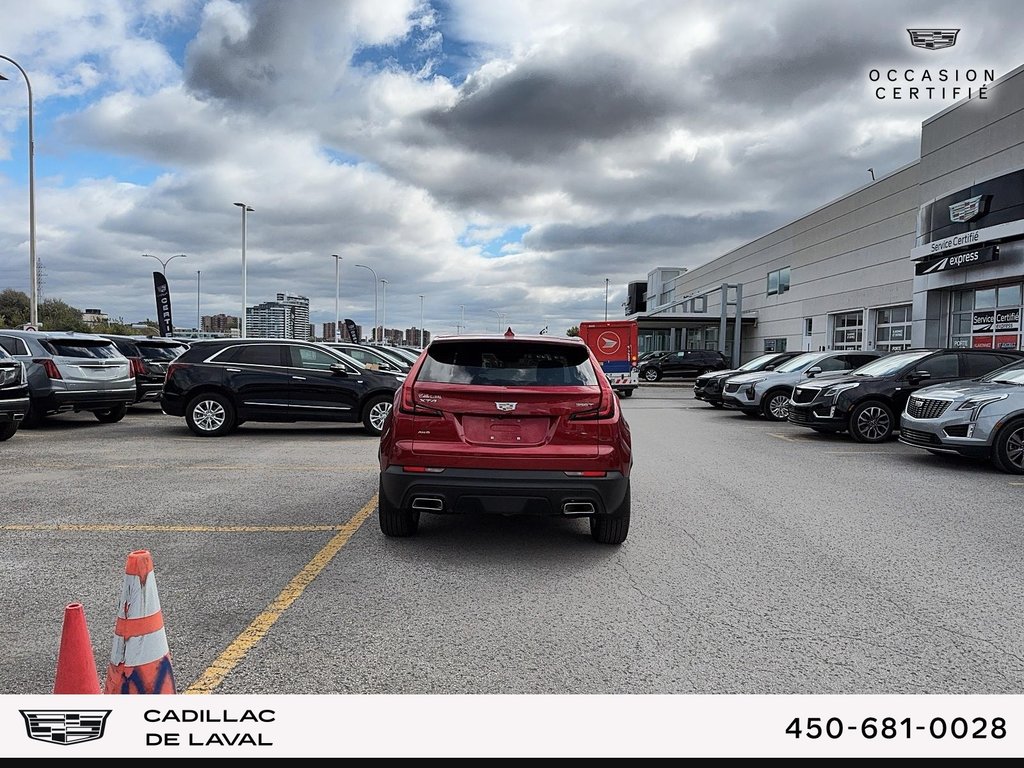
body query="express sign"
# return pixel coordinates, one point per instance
(957, 260)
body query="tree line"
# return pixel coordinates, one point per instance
(58, 315)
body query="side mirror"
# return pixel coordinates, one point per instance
(338, 369)
(916, 376)
(812, 372)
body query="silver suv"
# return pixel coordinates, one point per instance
(767, 392)
(71, 372)
(981, 418)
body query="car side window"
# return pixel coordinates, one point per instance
(259, 354)
(856, 361)
(837, 363)
(13, 345)
(311, 359)
(978, 364)
(940, 366)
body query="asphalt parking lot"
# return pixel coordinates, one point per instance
(763, 558)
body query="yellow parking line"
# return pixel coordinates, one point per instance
(102, 528)
(787, 438)
(260, 626)
(1013, 483)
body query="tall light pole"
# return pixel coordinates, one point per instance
(499, 318)
(606, 299)
(245, 296)
(374, 273)
(33, 314)
(199, 317)
(421, 321)
(462, 325)
(337, 296)
(164, 262)
(383, 310)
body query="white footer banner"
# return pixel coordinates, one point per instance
(512, 726)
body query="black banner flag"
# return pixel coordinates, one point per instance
(350, 329)
(163, 304)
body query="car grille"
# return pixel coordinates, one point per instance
(800, 417)
(918, 437)
(923, 408)
(805, 394)
(732, 388)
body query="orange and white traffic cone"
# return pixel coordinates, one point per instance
(140, 661)
(76, 664)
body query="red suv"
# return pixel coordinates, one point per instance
(507, 425)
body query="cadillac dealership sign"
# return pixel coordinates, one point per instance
(957, 261)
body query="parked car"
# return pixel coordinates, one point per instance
(371, 357)
(867, 403)
(687, 362)
(149, 357)
(397, 353)
(70, 371)
(709, 386)
(218, 385)
(651, 355)
(982, 418)
(507, 425)
(767, 393)
(13, 395)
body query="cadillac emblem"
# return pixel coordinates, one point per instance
(506, 406)
(967, 210)
(933, 39)
(65, 727)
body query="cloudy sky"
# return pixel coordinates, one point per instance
(498, 158)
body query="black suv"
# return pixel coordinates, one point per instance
(13, 395)
(687, 362)
(149, 357)
(868, 402)
(709, 386)
(217, 385)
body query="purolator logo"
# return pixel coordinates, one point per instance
(907, 83)
(65, 727)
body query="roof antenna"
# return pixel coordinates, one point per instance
(872, 172)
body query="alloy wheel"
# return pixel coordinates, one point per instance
(1015, 449)
(378, 414)
(873, 423)
(209, 415)
(779, 407)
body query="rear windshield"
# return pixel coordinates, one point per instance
(81, 348)
(160, 351)
(522, 364)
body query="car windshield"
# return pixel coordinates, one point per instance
(160, 351)
(508, 363)
(81, 348)
(758, 363)
(885, 366)
(1010, 374)
(798, 363)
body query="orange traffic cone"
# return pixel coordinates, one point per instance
(140, 661)
(76, 665)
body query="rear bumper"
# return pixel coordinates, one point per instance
(148, 392)
(13, 409)
(64, 400)
(504, 492)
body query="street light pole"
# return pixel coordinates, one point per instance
(164, 262)
(199, 317)
(496, 312)
(606, 299)
(374, 273)
(462, 325)
(32, 268)
(383, 310)
(421, 321)
(245, 297)
(337, 296)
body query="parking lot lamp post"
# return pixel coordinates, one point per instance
(383, 309)
(496, 312)
(33, 277)
(462, 324)
(374, 273)
(199, 317)
(606, 299)
(245, 210)
(164, 262)
(421, 321)
(337, 296)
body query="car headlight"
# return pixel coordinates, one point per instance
(975, 404)
(834, 391)
(755, 382)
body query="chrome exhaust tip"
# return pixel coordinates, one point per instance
(578, 508)
(427, 504)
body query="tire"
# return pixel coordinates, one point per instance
(626, 392)
(871, 422)
(612, 529)
(394, 521)
(376, 413)
(211, 415)
(1008, 448)
(7, 430)
(112, 415)
(651, 374)
(775, 405)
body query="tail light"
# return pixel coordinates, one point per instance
(49, 367)
(138, 368)
(605, 408)
(410, 406)
(173, 367)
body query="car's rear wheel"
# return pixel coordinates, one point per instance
(395, 521)
(375, 414)
(626, 392)
(651, 374)
(111, 415)
(210, 415)
(871, 422)
(7, 430)
(775, 405)
(613, 528)
(1008, 450)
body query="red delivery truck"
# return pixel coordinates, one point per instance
(615, 343)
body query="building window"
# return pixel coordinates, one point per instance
(987, 318)
(778, 281)
(774, 345)
(848, 330)
(892, 329)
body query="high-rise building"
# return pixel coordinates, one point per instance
(286, 318)
(219, 323)
(412, 337)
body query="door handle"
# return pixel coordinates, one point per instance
(235, 370)
(300, 378)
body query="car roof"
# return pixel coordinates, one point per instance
(502, 337)
(54, 334)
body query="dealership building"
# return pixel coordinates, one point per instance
(931, 255)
